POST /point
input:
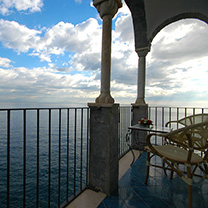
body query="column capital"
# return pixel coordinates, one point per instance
(107, 7)
(143, 51)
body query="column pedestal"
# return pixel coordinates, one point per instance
(138, 139)
(104, 147)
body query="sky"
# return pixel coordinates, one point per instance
(50, 53)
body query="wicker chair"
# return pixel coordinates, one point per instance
(182, 150)
(189, 120)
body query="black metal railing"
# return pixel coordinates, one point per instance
(125, 122)
(44, 152)
(161, 115)
(44, 156)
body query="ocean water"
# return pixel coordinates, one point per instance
(66, 139)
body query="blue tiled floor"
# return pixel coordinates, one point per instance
(160, 192)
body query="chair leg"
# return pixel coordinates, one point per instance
(206, 168)
(147, 167)
(171, 172)
(189, 188)
(190, 196)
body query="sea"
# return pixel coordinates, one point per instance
(58, 156)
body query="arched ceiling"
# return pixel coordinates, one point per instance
(150, 16)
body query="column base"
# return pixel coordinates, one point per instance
(104, 98)
(140, 101)
(139, 137)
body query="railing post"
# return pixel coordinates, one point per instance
(8, 158)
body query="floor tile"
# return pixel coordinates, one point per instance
(136, 203)
(108, 203)
(160, 191)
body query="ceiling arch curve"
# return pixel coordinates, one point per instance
(175, 19)
(149, 17)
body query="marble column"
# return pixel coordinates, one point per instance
(140, 108)
(141, 75)
(107, 9)
(104, 114)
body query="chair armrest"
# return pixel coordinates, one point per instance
(185, 129)
(169, 122)
(153, 150)
(185, 137)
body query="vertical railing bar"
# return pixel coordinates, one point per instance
(59, 178)
(185, 115)
(8, 158)
(122, 116)
(81, 148)
(120, 130)
(75, 138)
(49, 158)
(170, 109)
(24, 158)
(202, 111)
(127, 113)
(155, 116)
(163, 117)
(163, 121)
(67, 174)
(194, 112)
(149, 114)
(155, 123)
(122, 144)
(127, 123)
(119, 135)
(87, 174)
(38, 153)
(177, 116)
(122, 123)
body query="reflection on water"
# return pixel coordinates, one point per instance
(25, 138)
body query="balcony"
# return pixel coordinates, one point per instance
(44, 160)
(160, 191)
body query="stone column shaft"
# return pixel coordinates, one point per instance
(141, 76)
(140, 108)
(107, 9)
(106, 54)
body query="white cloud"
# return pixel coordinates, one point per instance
(5, 62)
(61, 38)
(43, 84)
(18, 37)
(176, 65)
(183, 40)
(78, 1)
(7, 6)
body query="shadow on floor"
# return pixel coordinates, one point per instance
(160, 192)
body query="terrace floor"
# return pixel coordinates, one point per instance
(160, 192)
